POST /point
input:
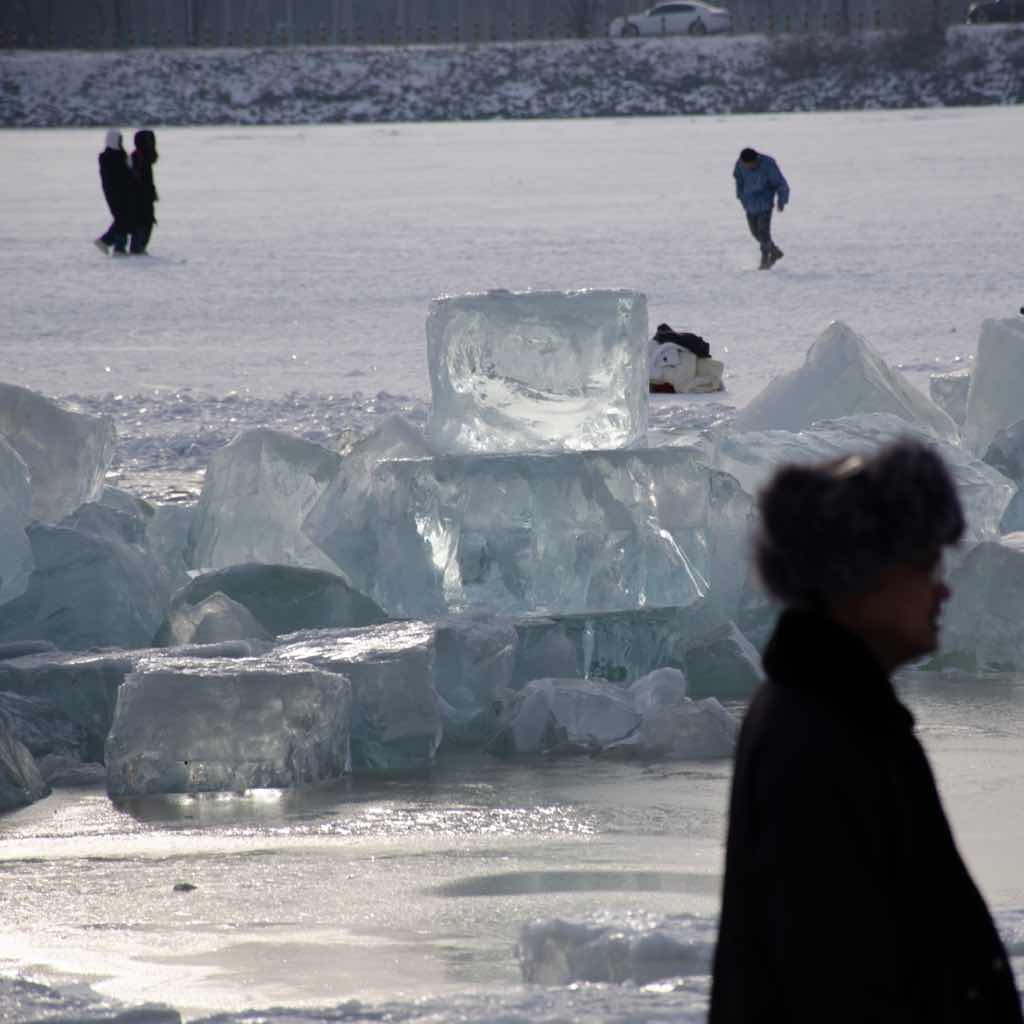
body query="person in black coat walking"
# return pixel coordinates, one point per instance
(144, 156)
(119, 191)
(845, 899)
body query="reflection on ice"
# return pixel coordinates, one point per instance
(541, 882)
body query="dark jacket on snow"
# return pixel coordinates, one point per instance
(845, 899)
(118, 187)
(143, 158)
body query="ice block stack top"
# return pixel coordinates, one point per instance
(538, 371)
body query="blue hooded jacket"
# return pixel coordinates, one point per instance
(756, 186)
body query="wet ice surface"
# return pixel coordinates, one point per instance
(282, 912)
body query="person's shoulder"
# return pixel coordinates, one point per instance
(791, 720)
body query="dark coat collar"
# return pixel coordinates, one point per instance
(810, 652)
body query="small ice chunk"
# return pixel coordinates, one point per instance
(1006, 451)
(211, 620)
(82, 687)
(725, 661)
(20, 781)
(622, 647)
(994, 398)
(662, 688)
(257, 493)
(396, 720)
(538, 371)
(15, 515)
(343, 522)
(640, 949)
(566, 716)
(689, 730)
(42, 726)
(67, 453)
(190, 725)
(94, 585)
(24, 999)
(280, 598)
(949, 392)
(474, 660)
(1006, 454)
(124, 501)
(842, 376)
(983, 621)
(167, 537)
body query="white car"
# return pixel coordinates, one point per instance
(673, 19)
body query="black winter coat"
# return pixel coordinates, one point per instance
(845, 900)
(145, 195)
(118, 186)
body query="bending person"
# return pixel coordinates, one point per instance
(760, 184)
(845, 898)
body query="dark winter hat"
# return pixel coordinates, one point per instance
(748, 155)
(828, 530)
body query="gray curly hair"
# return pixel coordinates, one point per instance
(828, 530)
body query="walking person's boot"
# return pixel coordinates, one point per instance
(776, 254)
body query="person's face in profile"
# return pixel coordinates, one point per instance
(901, 615)
(749, 164)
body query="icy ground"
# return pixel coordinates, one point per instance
(404, 901)
(292, 267)
(288, 287)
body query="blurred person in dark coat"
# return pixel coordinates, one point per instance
(845, 899)
(144, 156)
(119, 191)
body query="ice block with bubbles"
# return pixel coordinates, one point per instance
(538, 371)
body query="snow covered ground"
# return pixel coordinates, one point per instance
(292, 267)
(288, 286)
(592, 78)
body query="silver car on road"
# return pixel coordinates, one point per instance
(685, 17)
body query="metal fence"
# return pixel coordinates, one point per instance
(117, 24)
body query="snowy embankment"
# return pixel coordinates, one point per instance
(592, 78)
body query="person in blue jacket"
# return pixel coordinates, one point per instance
(759, 186)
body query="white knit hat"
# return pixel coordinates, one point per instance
(113, 139)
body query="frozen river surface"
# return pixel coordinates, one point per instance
(292, 267)
(412, 894)
(288, 286)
